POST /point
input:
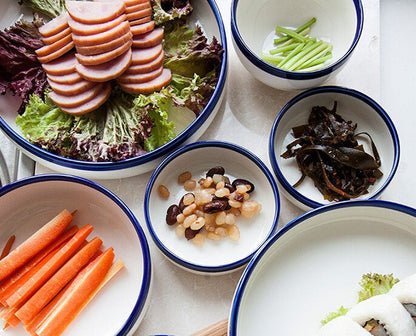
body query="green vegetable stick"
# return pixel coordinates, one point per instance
(306, 54)
(285, 40)
(291, 33)
(321, 54)
(273, 59)
(318, 63)
(284, 48)
(291, 54)
(300, 30)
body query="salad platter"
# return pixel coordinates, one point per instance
(181, 302)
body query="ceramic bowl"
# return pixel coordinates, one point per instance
(29, 203)
(188, 128)
(317, 260)
(253, 23)
(213, 257)
(353, 106)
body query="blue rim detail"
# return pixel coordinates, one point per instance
(146, 157)
(260, 253)
(337, 89)
(178, 152)
(258, 62)
(144, 291)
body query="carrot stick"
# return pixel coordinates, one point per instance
(43, 274)
(7, 247)
(34, 244)
(8, 316)
(52, 287)
(64, 236)
(70, 304)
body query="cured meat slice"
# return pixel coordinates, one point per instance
(139, 78)
(150, 39)
(138, 7)
(103, 57)
(88, 29)
(139, 14)
(104, 47)
(132, 2)
(57, 36)
(58, 53)
(106, 71)
(149, 87)
(70, 78)
(51, 48)
(140, 21)
(61, 66)
(71, 89)
(94, 11)
(54, 26)
(146, 55)
(146, 67)
(92, 104)
(142, 28)
(103, 37)
(75, 100)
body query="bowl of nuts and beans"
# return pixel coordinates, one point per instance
(210, 205)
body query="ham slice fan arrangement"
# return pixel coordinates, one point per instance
(113, 40)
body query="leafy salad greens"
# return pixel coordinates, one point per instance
(126, 125)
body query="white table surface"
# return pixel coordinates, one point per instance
(182, 303)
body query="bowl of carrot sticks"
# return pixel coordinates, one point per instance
(295, 44)
(74, 259)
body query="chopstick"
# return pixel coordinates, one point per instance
(217, 329)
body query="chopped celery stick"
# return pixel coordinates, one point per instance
(306, 54)
(318, 63)
(291, 54)
(272, 59)
(317, 56)
(286, 40)
(303, 27)
(291, 33)
(283, 49)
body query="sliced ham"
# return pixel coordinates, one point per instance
(140, 21)
(139, 78)
(78, 99)
(58, 53)
(106, 71)
(63, 65)
(146, 55)
(71, 89)
(148, 40)
(88, 29)
(138, 7)
(104, 37)
(51, 48)
(143, 28)
(92, 12)
(57, 36)
(149, 87)
(103, 57)
(102, 48)
(132, 2)
(146, 67)
(139, 14)
(92, 104)
(70, 78)
(54, 26)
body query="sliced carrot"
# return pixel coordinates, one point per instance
(7, 247)
(8, 316)
(34, 244)
(70, 304)
(64, 236)
(43, 274)
(52, 287)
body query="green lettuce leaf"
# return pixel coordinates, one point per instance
(50, 8)
(165, 11)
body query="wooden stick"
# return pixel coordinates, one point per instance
(218, 329)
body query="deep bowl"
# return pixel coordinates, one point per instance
(207, 14)
(29, 203)
(351, 105)
(253, 22)
(214, 257)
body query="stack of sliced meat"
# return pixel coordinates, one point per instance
(114, 39)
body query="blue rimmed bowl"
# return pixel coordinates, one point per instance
(252, 26)
(214, 257)
(353, 106)
(187, 127)
(314, 264)
(29, 203)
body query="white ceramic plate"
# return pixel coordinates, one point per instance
(314, 264)
(29, 203)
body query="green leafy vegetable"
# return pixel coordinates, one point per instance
(374, 284)
(165, 11)
(340, 312)
(50, 8)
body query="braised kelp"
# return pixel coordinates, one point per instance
(326, 149)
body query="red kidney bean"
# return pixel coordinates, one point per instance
(189, 233)
(215, 206)
(171, 214)
(243, 182)
(216, 170)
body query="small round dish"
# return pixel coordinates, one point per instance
(29, 203)
(253, 24)
(313, 265)
(214, 257)
(351, 105)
